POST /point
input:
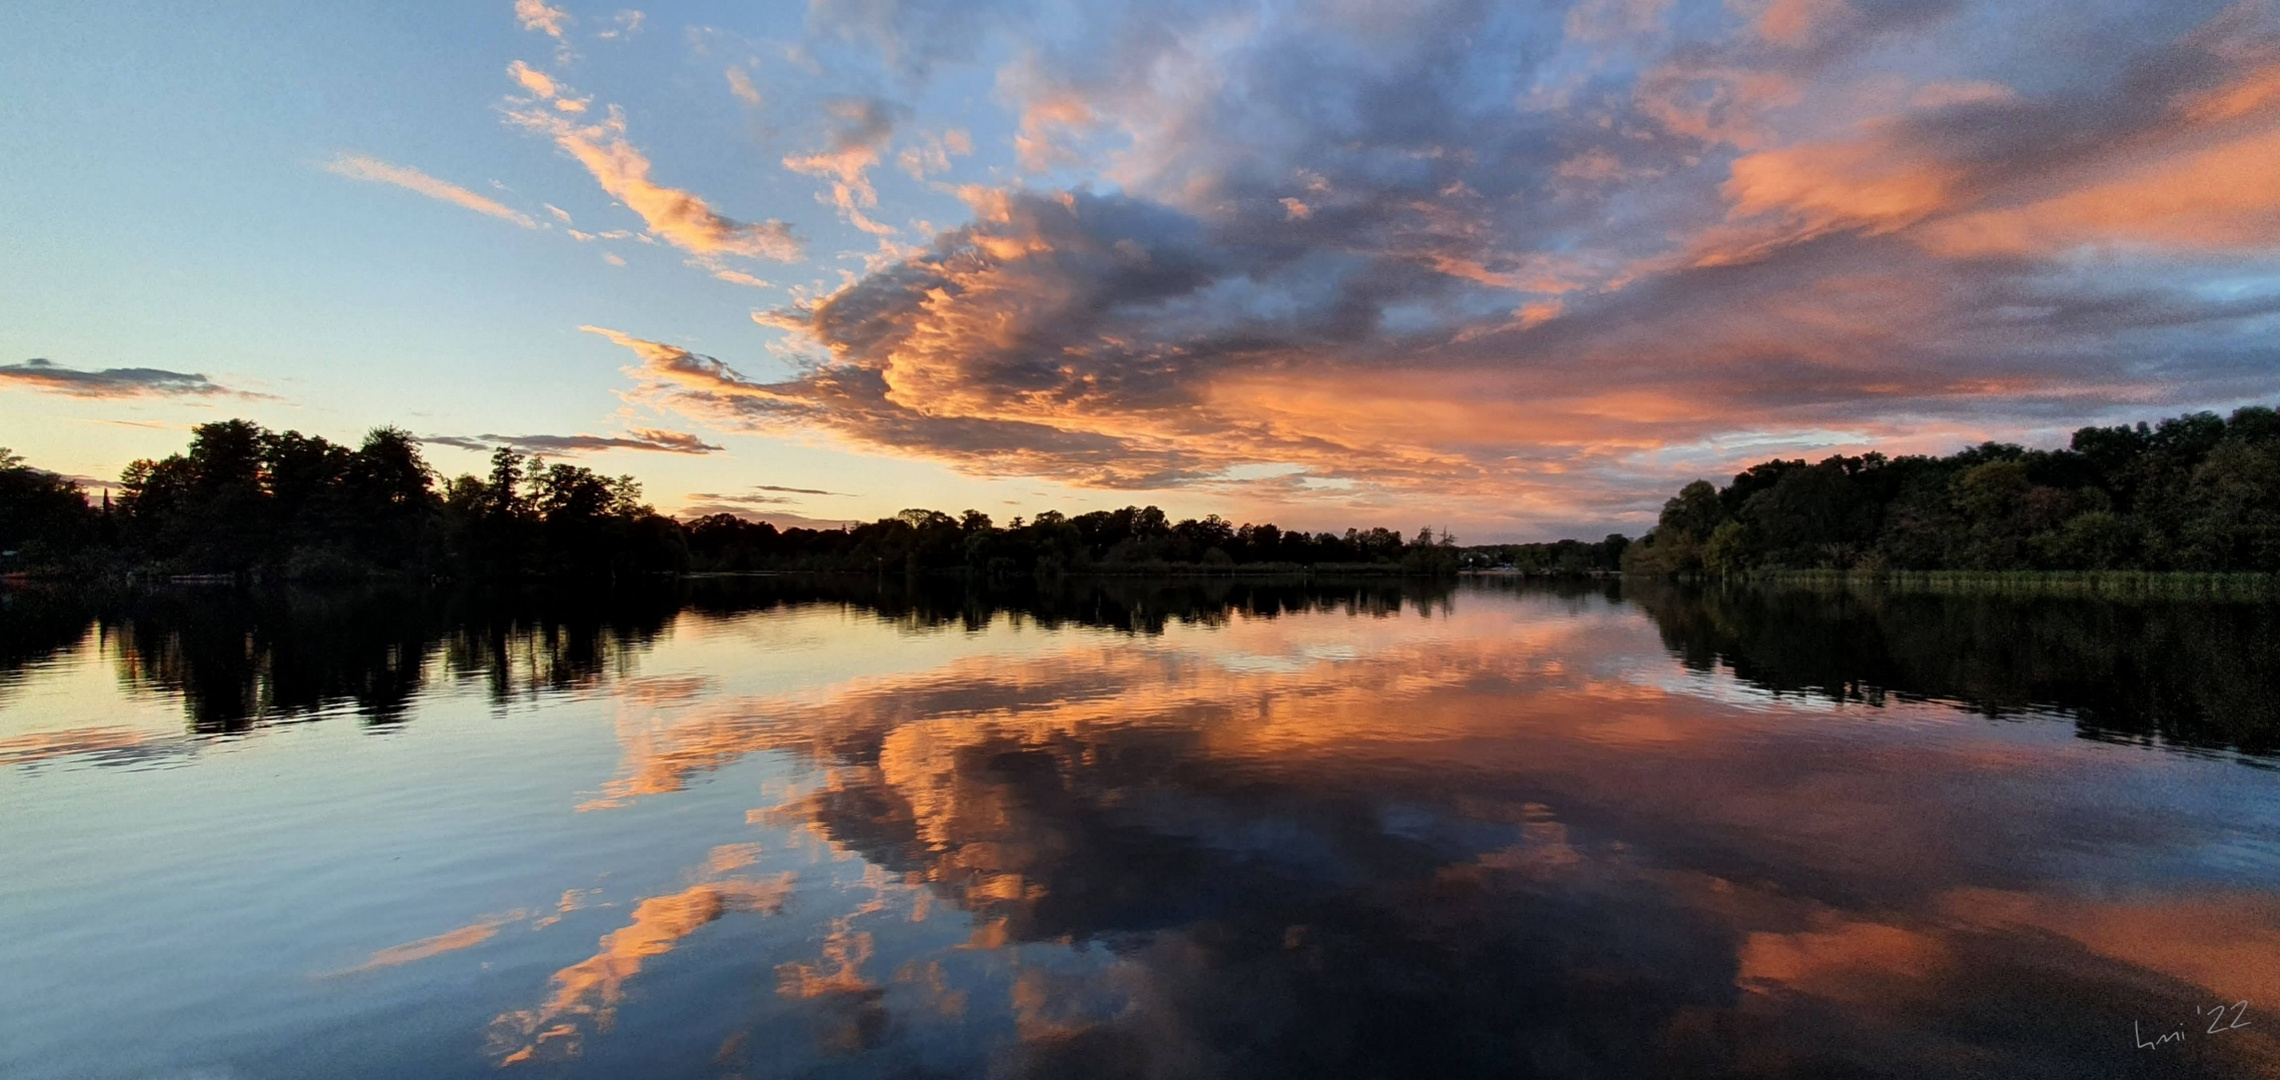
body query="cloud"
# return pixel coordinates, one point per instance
(360, 167)
(1334, 249)
(532, 79)
(794, 490)
(781, 519)
(932, 153)
(914, 36)
(37, 374)
(1542, 265)
(669, 442)
(741, 500)
(761, 495)
(2222, 198)
(853, 402)
(762, 503)
(1793, 22)
(740, 84)
(1046, 125)
(735, 277)
(534, 15)
(590, 990)
(465, 937)
(625, 24)
(859, 133)
(2174, 155)
(672, 215)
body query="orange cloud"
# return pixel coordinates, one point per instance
(2223, 198)
(2256, 91)
(593, 987)
(1045, 120)
(700, 374)
(672, 215)
(1792, 22)
(465, 937)
(1715, 104)
(862, 128)
(1842, 959)
(740, 84)
(2228, 943)
(1858, 185)
(933, 153)
(532, 79)
(43, 745)
(1403, 296)
(537, 16)
(2193, 170)
(360, 167)
(738, 277)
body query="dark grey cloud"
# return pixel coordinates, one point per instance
(709, 498)
(761, 495)
(54, 378)
(704, 505)
(794, 490)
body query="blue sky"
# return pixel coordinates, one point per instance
(1519, 270)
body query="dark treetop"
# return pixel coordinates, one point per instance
(2198, 493)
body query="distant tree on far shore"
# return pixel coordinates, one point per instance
(2197, 492)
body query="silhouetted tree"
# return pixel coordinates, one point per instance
(2196, 492)
(44, 518)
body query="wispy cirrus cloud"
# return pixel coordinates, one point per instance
(650, 439)
(677, 217)
(374, 170)
(625, 24)
(50, 377)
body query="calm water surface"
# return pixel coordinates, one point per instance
(780, 828)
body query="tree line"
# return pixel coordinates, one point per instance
(1135, 539)
(246, 501)
(1556, 558)
(2197, 492)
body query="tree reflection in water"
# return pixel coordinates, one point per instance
(1241, 828)
(238, 658)
(2200, 674)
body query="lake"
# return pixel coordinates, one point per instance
(808, 827)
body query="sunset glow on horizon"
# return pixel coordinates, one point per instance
(1517, 271)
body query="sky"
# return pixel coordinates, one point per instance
(1513, 270)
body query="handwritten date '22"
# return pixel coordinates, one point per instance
(2217, 1024)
